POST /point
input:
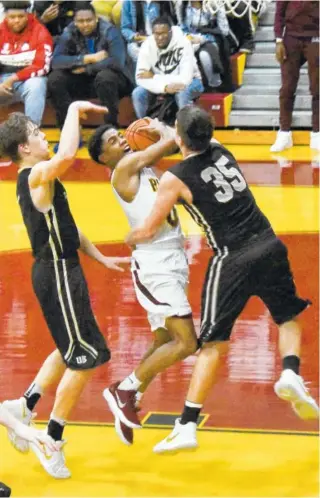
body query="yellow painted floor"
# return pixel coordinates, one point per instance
(260, 465)
(290, 209)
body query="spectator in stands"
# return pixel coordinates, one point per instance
(166, 65)
(296, 29)
(241, 29)
(89, 61)
(201, 28)
(25, 55)
(136, 22)
(55, 15)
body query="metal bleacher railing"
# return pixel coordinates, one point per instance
(237, 8)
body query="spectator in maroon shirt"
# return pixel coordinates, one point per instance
(297, 41)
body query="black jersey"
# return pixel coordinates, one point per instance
(53, 235)
(223, 205)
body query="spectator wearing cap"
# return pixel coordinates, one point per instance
(25, 55)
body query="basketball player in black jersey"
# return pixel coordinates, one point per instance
(248, 260)
(57, 276)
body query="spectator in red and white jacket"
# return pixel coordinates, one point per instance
(25, 55)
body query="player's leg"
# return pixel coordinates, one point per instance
(224, 295)
(49, 374)
(277, 289)
(63, 294)
(121, 396)
(161, 337)
(125, 433)
(160, 278)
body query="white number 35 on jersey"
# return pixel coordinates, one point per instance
(227, 180)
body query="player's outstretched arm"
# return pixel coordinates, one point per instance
(43, 441)
(93, 252)
(170, 190)
(46, 171)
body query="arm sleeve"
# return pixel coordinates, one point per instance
(126, 22)
(222, 21)
(114, 45)
(158, 83)
(279, 20)
(42, 59)
(61, 59)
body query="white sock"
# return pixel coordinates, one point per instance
(139, 396)
(193, 405)
(59, 421)
(33, 389)
(130, 383)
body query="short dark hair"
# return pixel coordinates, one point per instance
(164, 19)
(85, 5)
(195, 127)
(95, 142)
(16, 5)
(14, 132)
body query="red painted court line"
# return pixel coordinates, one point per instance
(256, 173)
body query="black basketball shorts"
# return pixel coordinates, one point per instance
(261, 268)
(62, 292)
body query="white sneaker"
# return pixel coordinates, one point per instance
(283, 141)
(18, 408)
(182, 437)
(291, 387)
(54, 463)
(315, 140)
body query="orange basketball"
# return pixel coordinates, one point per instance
(139, 137)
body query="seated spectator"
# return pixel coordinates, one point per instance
(200, 25)
(241, 28)
(55, 15)
(136, 21)
(166, 65)
(25, 55)
(89, 61)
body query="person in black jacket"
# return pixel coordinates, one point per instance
(89, 60)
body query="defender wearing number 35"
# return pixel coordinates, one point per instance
(249, 259)
(159, 267)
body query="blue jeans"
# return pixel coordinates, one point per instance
(32, 92)
(140, 97)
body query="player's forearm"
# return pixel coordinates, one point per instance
(70, 135)
(89, 249)
(140, 235)
(155, 152)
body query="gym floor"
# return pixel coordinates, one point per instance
(251, 443)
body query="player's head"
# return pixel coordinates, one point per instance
(162, 32)
(194, 128)
(107, 146)
(22, 140)
(16, 15)
(85, 18)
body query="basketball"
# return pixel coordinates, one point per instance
(139, 137)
